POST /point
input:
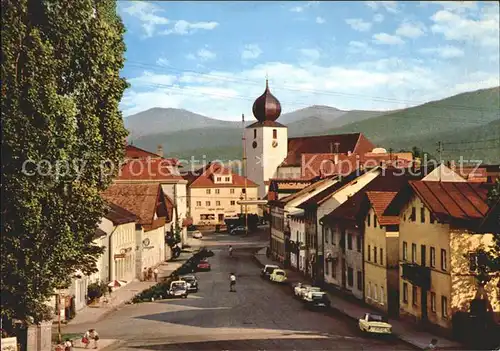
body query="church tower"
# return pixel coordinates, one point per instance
(266, 141)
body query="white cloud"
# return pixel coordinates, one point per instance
(387, 39)
(411, 30)
(251, 51)
(389, 6)
(320, 20)
(446, 52)
(310, 54)
(482, 29)
(202, 54)
(305, 6)
(162, 62)
(378, 17)
(458, 6)
(358, 47)
(358, 24)
(147, 13)
(183, 27)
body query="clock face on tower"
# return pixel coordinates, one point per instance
(254, 144)
(275, 143)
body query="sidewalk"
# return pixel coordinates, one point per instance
(103, 345)
(403, 330)
(92, 314)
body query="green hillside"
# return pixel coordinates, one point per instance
(451, 114)
(468, 117)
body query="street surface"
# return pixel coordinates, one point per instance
(259, 315)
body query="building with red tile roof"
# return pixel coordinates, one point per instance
(153, 210)
(214, 192)
(441, 224)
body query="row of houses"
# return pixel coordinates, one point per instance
(399, 240)
(150, 204)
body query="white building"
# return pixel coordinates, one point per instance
(147, 238)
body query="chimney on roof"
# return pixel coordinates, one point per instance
(159, 151)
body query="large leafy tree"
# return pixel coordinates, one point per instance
(60, 93)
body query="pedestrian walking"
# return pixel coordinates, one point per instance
(150, 273)
(232, 282)
(145, 273)
(155, 272)
(230, 250)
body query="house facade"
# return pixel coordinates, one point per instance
(143, 167)
(297, 239)
(214, 192)
(438, 223)
(146, 236)
(381, 254)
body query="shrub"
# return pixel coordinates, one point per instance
(96, 290)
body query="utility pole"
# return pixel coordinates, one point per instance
(245, 171)
(440, 151)
(176, 214)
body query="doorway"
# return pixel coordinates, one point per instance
(221, 218)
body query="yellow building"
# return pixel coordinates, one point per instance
(214, 192)
(437, 232)
(381, 254)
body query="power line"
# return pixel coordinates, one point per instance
(471, 142)
(192, 91)
(290, 88)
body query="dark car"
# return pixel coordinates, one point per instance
(192, 283)
(238, 230)
(204, 265)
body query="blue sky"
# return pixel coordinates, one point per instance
(212, 57)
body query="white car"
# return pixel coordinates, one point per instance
(268, 270)
(299, 289)
(308, 290)
(178, 288)
(374, 323)
(197, 234)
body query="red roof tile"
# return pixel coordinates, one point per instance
(379, 201)
(323, 165)
(149, 169)
(453, 200)
(118, 215)
(391, 180)
(355, 143)
(132, 151)
(140, 199)
(203, 178)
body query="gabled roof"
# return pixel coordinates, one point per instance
(140, 199)
(317, 199)
(379, 201)
(453, 200)
(354, 142)
(148, 169)
(118, 215)
(132, 151)
(307, 190)
(203, 177)
(390, 180)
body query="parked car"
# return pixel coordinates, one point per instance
(192, 282)
(268, 270)
(375, 323)
(278, 276)
(238, 230)
(196, 234)
(317, 300)
(299, 289)
(203, 265)
(309, 289)
(178, 288)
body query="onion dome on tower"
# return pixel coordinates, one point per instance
(266, 107)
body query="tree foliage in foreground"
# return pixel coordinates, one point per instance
(60, 93)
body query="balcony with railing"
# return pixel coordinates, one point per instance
(417, 275)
